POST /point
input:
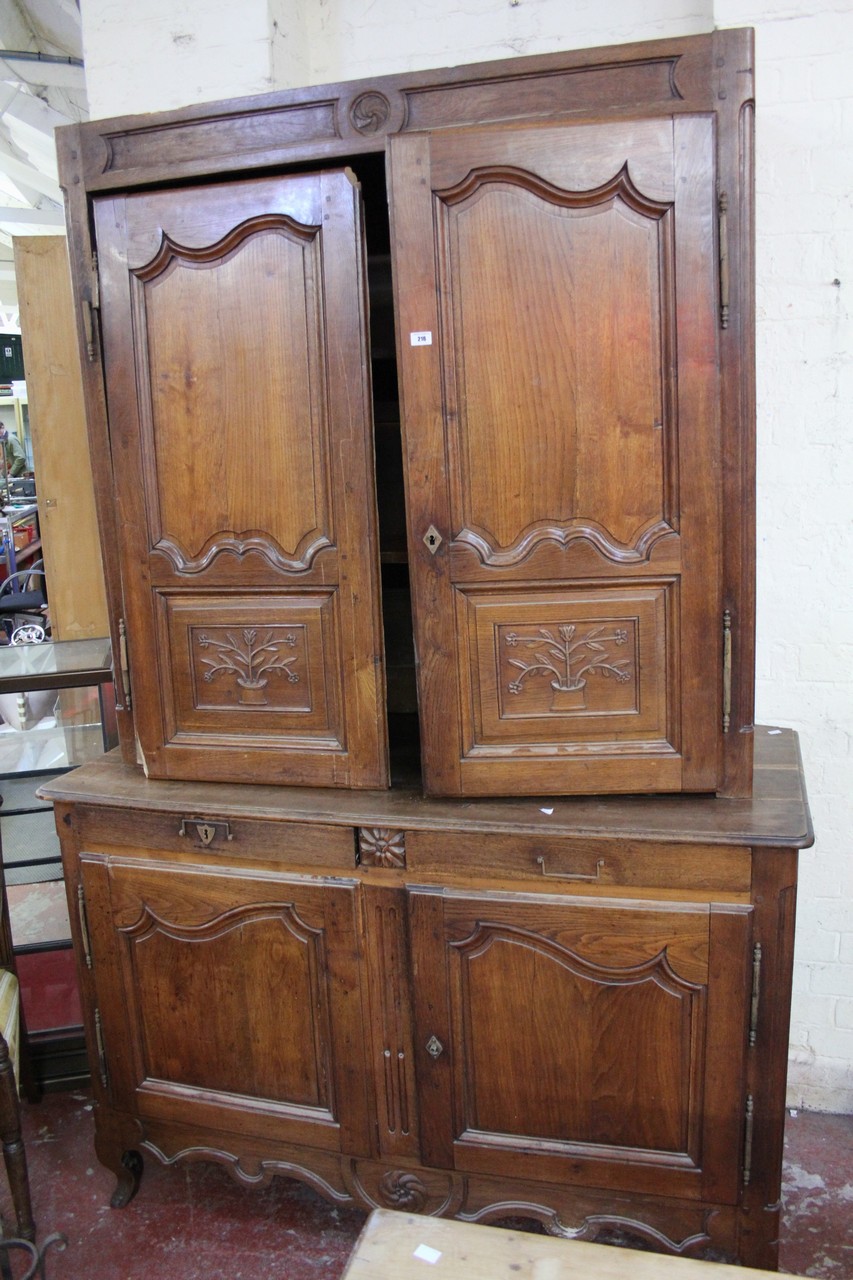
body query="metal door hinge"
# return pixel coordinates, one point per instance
(756, 993)
(102, 1056)
(88, 328)
(84, 926)
(124, 671)
(727, 670)
(723, 214)
(90, 305)
(747, 1140)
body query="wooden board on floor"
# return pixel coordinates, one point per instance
(66, 499)
(402, 1246)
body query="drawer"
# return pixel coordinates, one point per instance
(557, 860)
(304, 844)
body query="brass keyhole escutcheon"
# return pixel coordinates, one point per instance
(434, 1047)
(205, 830)
(433, 539)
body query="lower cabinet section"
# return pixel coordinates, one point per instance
(565, 1037)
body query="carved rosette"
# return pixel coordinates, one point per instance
(381, 847)
(370, 112)
(403, 1191)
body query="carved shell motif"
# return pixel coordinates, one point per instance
(381, 847)
(403, 1191)
(370, 112)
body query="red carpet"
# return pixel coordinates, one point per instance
(194, 1223)
(49, 989)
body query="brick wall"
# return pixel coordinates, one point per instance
(158, 54)
(804, 249)
(804, 340)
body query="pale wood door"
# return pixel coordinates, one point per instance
(557, 308)
(67, 515)
(236, 365)
(583, 1041)
(230, 1002)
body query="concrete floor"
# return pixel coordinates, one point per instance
(194, 1223)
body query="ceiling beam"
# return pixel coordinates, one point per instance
(32, 217)
(65, 75)
(20, 171)
(30, 110)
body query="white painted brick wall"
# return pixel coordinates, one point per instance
(148, 57)
(290, 22)
(155, 54)
(804, 249)
(354, 38)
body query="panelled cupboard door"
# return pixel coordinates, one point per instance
(583, 1041)
(236, 363)
(557, 300)
(230, 1003)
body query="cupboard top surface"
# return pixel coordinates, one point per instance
(776, 814)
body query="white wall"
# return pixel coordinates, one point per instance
(154, 55)
(157, 54)
(804, 127)
(146, 58)
(355, 38)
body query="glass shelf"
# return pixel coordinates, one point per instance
(63, 664)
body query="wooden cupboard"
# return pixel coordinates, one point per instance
(575, 1012)
(518, 293)
(422, 414)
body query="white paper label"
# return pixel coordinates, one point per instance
(427, 1254)
(422, 339)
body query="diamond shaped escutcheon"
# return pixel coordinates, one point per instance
(433, 539)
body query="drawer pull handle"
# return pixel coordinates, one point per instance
(567, 875)
(205, 831)
(434, 1047)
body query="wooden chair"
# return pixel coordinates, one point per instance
(14, 1154)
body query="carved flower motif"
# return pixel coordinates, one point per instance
(567, 658)
(403, 1190)
(381, 847)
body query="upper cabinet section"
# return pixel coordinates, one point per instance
(235, 357)
(562, 370)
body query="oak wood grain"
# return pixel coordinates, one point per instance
(569, 395)
(170, 951)
(247, 516)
